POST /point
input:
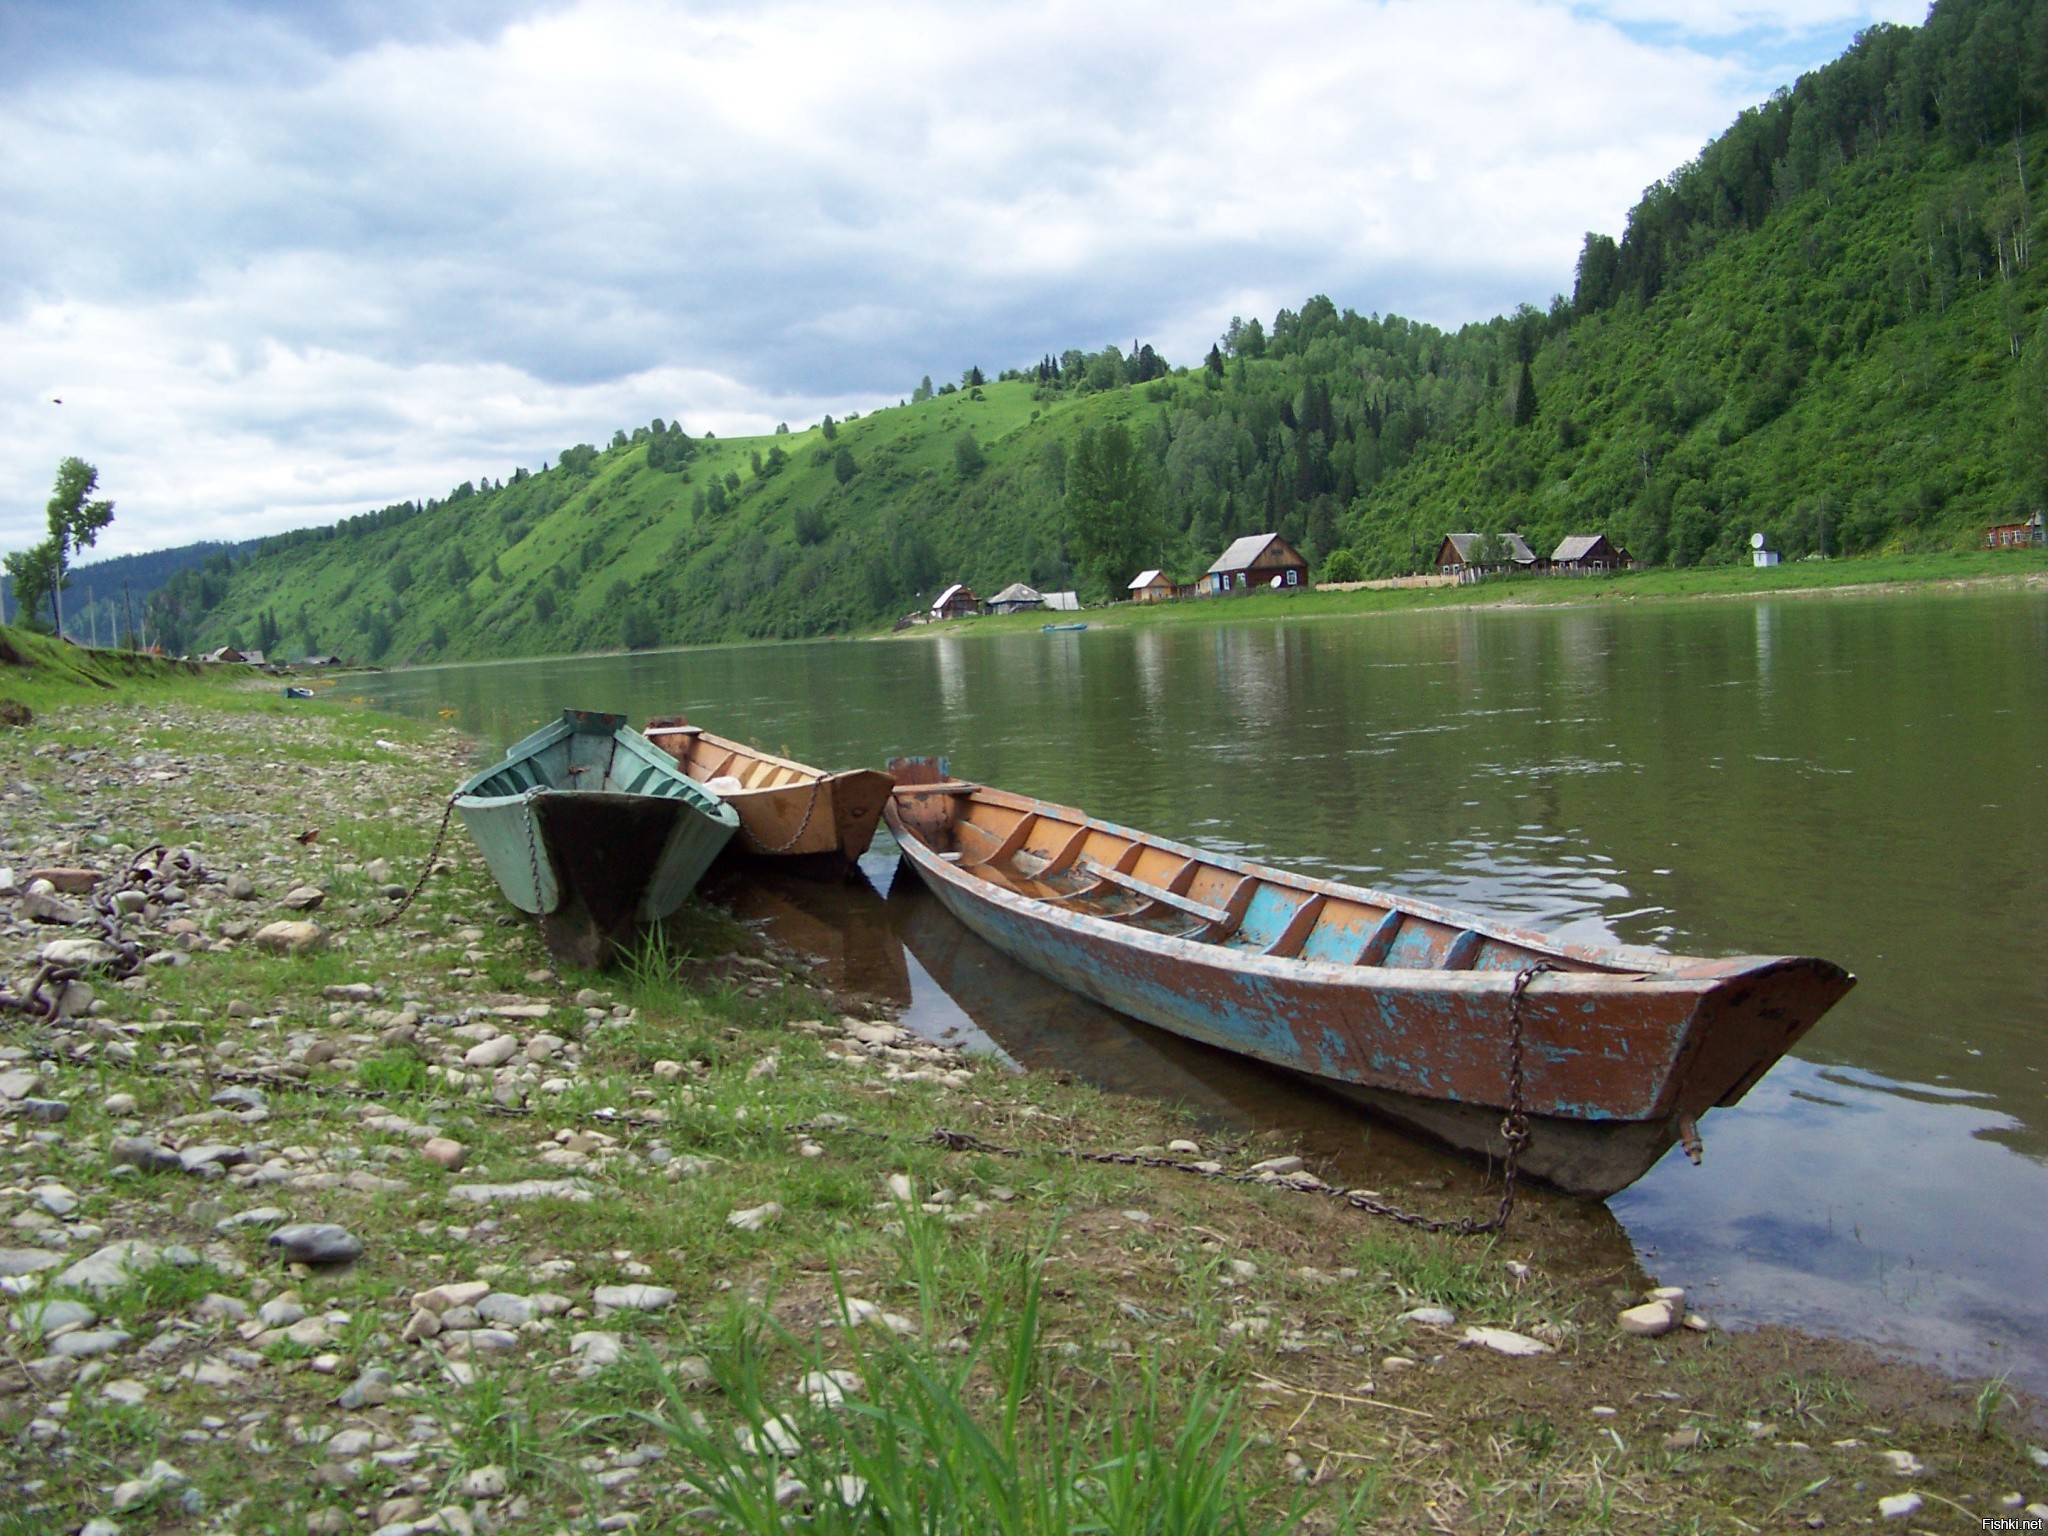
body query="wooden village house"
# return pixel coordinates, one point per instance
(2032, 534)
(1463, 552)
(1150, 587)
(956, 602)
(1586, 552)
(1256, 560)
(1016, 598)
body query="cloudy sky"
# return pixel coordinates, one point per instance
(285, 261)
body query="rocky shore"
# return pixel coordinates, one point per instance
(320, 1225)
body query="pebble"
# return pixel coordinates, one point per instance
(260, 1216)
(633, 1298)
(505, 1309)
(318, 1242)
(83, 953)
(84, 1343)
(491, 1053)
(446, 1298)
(445, 1152)
(829, 1389)
(525, 1189)
(1650, 1319)
(1897, 1506)
(371, 1389)
(280, 1311)
(1903, 1463)
(303, 898)
(16, 1262)
(1506, 1342)
(140, 1490)
(1430, 1317)
(290, 938)
(241, 887)
(1277, 1167)
(144, 1153)
(775, 1436)
(110, 1268)
(52, 1313)
(597, 1349)
(754, 1218)
(485, 1483)
(1686, 1439)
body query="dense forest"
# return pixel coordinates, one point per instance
(108, 599)
(1826, 327)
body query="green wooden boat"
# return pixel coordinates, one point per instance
(595, 829)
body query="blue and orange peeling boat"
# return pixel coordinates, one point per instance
(1402, 1005)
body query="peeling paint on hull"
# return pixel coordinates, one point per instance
(1618, 1044)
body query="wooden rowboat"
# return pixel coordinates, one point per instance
(590, 826)
(820, 822)
(1400, 1004)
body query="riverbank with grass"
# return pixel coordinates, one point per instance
(1976, 570)
(317, 1225)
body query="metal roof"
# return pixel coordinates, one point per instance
(1143, 579)
(1577, 547)
(1242, 554)
(1017, 592)
(1519, 553)
(946, 596)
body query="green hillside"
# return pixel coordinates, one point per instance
(1823, 327)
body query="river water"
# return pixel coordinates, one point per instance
(1862, 778)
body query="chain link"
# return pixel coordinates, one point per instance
(151, 871)
(1514, 1128)
(420, 884)
(817, 787)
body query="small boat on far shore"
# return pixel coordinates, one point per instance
(1421, 1013)
(1053, 629)
(816, 822)
(587, 825)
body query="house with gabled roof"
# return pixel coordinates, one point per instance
(1257, 560)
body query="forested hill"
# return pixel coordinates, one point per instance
(1826, 327)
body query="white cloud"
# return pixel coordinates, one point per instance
(272, 295)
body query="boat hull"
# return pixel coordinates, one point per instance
(594, 864)
(812, 822)
(1614, 1060)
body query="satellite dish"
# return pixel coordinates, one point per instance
(1756, 541)
(1274, 583)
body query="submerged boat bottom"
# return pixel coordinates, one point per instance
(1591, 1158)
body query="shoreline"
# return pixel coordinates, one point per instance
(662, 1107)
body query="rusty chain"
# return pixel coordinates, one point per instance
(151, 871)
(810, 810)
(447, 811)
(1514, 1129)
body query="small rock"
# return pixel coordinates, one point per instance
(260, 1216)
(1903, 1463)
(47, 1316)
(377, 871)
(445, 1152)
(41, 903)
(485, 1483)
(119, 1104)
(110, 1268)
(829, 1389)
(1503, 1341)
(491, 1053)
(298, 938)
(1430, 1317)
(72, 882)
(767, 1066)
(19, 1083)
(144, 1153)
(775, 1436)
(754, 1218)
(317, 1242)
(1686, 1439)
(525, 1189)
(303, 898)
(1897, 1506)
(597, 1349)
(16, 1262)
(1277, 1167)
(280, 1311)
(505, 1309)
(633, 1298)
(84, 953)
(241, 887)
(1650, 1319)
(446, 1298)
(420, 1326)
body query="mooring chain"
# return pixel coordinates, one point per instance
(149, 872)
(447, 811)
(817, 788)
(1514, 1129)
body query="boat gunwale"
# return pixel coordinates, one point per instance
(810, 773)
(700, 799)
(1621, 968)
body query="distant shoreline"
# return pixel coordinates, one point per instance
(1863, 576)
